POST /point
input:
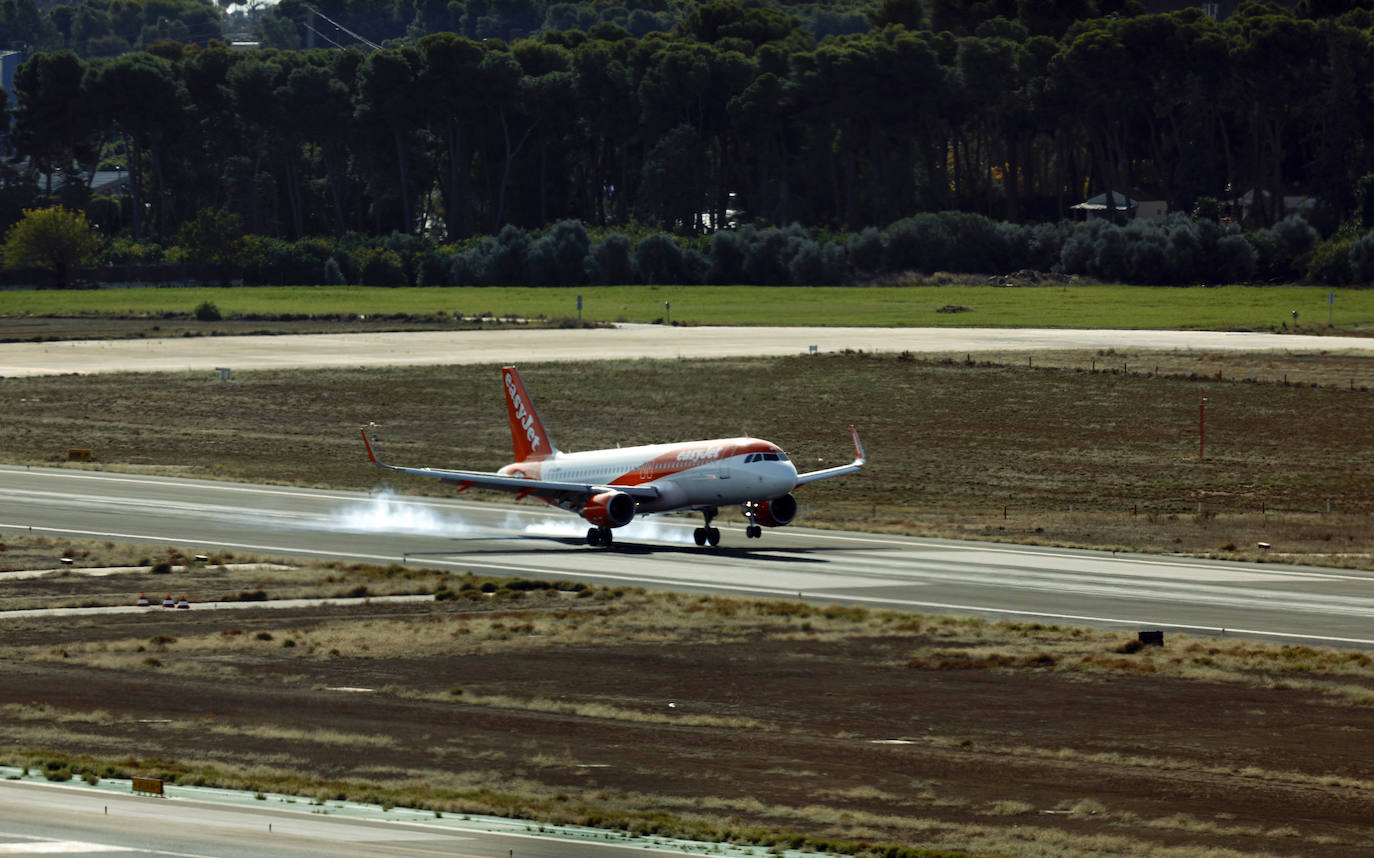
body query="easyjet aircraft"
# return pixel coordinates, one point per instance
(609, 487)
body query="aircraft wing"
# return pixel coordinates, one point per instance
(523, 485)
(841, 470)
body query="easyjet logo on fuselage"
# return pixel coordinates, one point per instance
(522, 415)
(699, 454)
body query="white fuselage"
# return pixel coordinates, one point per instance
(687, 475)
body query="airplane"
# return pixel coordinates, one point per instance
(610, 487)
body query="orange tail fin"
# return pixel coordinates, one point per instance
(532, 442)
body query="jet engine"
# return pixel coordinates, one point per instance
(611, 509)
(773, 513)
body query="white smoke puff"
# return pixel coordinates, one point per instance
(386, 513)
(570, 527)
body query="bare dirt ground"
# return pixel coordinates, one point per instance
(710, 717)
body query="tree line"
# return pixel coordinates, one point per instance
(1011, 110)
(48, 245)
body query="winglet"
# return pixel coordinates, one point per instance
(367, 442)
(859, 457)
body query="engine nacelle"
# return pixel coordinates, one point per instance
(773, 513)
(610, 509)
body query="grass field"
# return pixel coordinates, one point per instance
(1076, 306)
(1101, 452)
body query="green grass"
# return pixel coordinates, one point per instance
(1077, 306)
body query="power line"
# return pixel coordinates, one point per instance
(371, 44)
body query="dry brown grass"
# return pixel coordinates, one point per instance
(501, 723)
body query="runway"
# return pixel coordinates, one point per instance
(1285, 603)
(620, 342)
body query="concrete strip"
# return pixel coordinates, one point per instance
(623, 342)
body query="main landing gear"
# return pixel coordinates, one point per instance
(600, 536)
(707, 534)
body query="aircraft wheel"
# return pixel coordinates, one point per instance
(753, 531)
(606, 537)
(593, 536)
(713, 536)
(699, 536)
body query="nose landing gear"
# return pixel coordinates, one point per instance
(753, 531)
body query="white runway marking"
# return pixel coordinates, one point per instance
(58, 847)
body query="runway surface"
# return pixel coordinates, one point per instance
(624, 341)
(1298, 604)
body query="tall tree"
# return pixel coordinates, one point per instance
(138, 97)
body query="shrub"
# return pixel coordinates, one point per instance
(53, 239)
(333, 274)
(1146, 254)
(561, 255)
(207, 312)
(816, 264)
(1291, 240)
(765, 254)
(659, 259)
(381, 267)
(1329, 262)
(273, 261)
(695, 266)
(726, 253)
(1236, 259)
(975, 244)
(610, 261)
(919, 243)
(1362, 258)
(506, 260)
(865, 250)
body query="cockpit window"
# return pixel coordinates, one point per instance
(772, 457)
(783, 457)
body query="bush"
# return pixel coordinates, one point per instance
(726, 252)
(1291, 241)
(333, 274)
(975, 244)
(502, 262)
(920, 243)
(1329, 262)
(866, 250)
(207, 312)
(1235, 259)
(610, 261)
(815, 263)
(271, 261)
(659, 259)
(564, 250)
(382, 267)
(1362, 258)
(765, 254)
